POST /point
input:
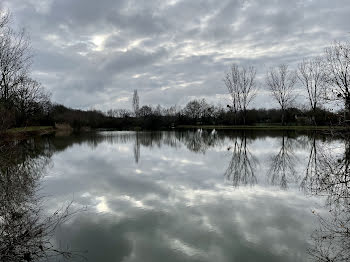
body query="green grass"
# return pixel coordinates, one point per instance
(260, 127)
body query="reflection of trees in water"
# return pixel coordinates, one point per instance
(199, 141)
(25, 234)
(137, 148)
(194, 141)
(282, 169)
(327, 172)
(312, 168)
(331, 241)
(327, 175)
(241, 169)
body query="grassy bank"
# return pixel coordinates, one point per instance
(260, 127)
(25, 132)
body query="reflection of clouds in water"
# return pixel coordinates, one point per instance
(196, 222)
(174, 203)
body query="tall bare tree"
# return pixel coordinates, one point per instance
(136, 103)
(247, 89)
(231, 82)
(312, 76)
(281, 83)
(338, 73)
(240, 83)
(20, 96)
(15, 59)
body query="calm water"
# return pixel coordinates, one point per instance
(188, 196)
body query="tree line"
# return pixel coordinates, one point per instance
(324, 79)
(24, 101)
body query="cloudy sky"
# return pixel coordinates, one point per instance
(93, 54)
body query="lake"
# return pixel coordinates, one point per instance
(181, 196)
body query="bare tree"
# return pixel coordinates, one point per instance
(240, 83)
(145, 111)
(29, 98)
(247, 89)
(281, 83)
(193, 110)
(232, 85)
(135, 103)
(15, 59)
(20, 96)
(311, 75)
(338, 73)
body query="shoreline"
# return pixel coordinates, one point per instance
(26, 132)
(267, 127)
(33, 131)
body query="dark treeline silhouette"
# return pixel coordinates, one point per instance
(196, 112)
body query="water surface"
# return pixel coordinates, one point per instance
(188, 196)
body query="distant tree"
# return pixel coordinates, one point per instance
(193, 110)
(312, 76)
(135, 103)
(122, 113)
(338, 73)
(206, 110)
(158, 110)
(281, 83)
(145, 111)
(110, 113)
(171, 111)
(240, 83)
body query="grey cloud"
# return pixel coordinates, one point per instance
(168, 44)
(131, 59)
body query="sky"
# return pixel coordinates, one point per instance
(92, 54)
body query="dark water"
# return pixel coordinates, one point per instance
(191, 196)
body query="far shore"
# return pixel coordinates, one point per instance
(32, 131)
(263, 127)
